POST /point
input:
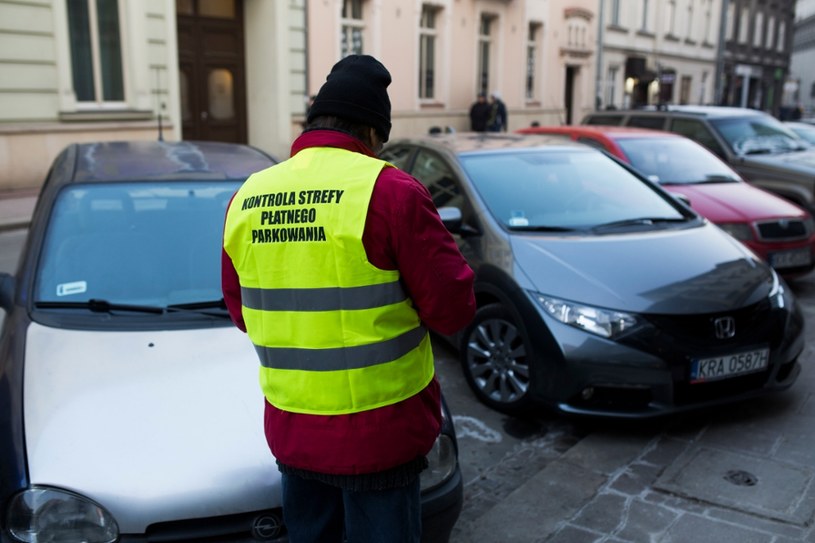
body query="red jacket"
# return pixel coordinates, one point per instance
(403, 231)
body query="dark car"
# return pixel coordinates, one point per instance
(130, 404)
(761, 148)
(598, 292)
(775, 229)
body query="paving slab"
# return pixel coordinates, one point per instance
(743, 482)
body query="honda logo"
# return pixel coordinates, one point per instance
(725, 327)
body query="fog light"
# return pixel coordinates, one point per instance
(587, 393)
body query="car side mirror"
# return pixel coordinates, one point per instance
(6, 291)
(452, 220)
(682, 198)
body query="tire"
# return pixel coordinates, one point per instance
(495, 359)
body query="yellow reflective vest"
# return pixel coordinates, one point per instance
(334, 334)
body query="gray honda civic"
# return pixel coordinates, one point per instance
(599, 293)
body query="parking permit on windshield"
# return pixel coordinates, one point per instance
(517, 218)
(76, 287)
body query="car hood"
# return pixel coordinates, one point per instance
(695, 270)
(802, 162)
(735, 202)
(151, 425)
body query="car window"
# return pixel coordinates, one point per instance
(646, 121)
(674, 160)
(577, 188)
(606, 120)
(136, 243)
(697, 131)
(757, 134)
(592, 143)
(399, 156)
(438, 177)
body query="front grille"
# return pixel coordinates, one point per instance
(258, 526)
(783, 230)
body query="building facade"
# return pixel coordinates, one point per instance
(242, 70)
(757, 44)
(801, 84)
(657, 52)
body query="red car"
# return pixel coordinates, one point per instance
(775, 229)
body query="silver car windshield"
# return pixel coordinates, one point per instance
(564, 189)
(150, 244)
(675, 161)
(758, 134)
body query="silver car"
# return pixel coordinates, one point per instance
(130, 408)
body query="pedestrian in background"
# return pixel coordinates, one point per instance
(479, 113)
(338, 305)
(498, 114)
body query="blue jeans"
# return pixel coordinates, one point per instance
(315, 512)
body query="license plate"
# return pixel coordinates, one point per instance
(721, 367)
(791, 259)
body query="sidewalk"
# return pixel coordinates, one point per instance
(16, 208)
(742, 474)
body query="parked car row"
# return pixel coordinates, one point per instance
(600, 292)
(777, 230)
(765, 151)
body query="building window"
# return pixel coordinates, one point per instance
(744, 24)
(615, 12)
(706, 37)
(353, 27)
(484, 51)
(758, 31)
(532, 59)
(644, 22)
(684, 89)
(611, 85)
(96, 51)
(770, 44)
(782, 35)
(730, 22)
(670, 18)
(689, 33)
(427, 52)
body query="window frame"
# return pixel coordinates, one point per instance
(428, 52)
(98, 103)
(352, 26)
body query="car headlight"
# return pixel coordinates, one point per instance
(603, 322)
(49, 514)
(441, 462)
(740, 231)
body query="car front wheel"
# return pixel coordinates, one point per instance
(495, 359)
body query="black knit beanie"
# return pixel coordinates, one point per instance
(356, 90)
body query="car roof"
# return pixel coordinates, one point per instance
(474, 142)
(705, 111)
(161, 160)
(609, 131)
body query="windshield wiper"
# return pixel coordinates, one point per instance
(104, 306)
(640, 221)
(202, 308)
(100, 306)
(541, 228)
(718, 178)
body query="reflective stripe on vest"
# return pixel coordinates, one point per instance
(334, 333)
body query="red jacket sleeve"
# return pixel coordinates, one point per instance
(404, 232)
(231, 288)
